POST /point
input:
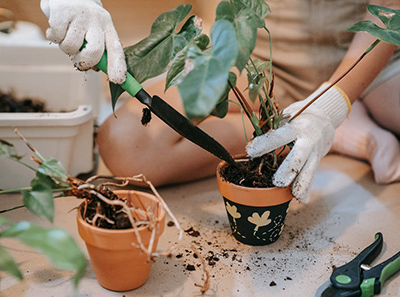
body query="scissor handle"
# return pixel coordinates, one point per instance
(376, 276)
(349, 276)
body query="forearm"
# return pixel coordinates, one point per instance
(371, 65)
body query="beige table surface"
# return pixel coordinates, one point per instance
(346, 209)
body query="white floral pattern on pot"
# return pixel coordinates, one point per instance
(232, 210)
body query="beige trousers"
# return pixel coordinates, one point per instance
(309, 40)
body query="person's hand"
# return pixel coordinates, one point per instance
(312, 132)
(73, 21)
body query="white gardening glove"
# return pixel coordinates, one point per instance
(73, 21)
(313, 132)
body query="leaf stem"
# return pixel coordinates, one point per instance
(247, 109)
(337, 80)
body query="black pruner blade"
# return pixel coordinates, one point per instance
(331, 291)
(183, 126)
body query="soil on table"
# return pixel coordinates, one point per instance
(254, 173)
(9, 103)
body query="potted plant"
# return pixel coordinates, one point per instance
(120, 228)
(204, 70)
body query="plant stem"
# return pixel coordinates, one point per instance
(30, 189)
(337, 80)
(247, 109)
(20, 206)
(270, 53)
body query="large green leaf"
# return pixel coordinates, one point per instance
(151, 56)
(222, 107)
(56, 244)
(204, 85)
(259, 9)
(245, 28)
(390, 18)
(8, 264)
(176, 70)
(39, 200)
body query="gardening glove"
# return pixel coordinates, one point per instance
(312, 132)
(73, 21)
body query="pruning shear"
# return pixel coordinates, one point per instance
(357, 278)
(170, 116)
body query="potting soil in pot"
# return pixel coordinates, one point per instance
(8, 103)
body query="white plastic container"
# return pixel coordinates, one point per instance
(36, 69)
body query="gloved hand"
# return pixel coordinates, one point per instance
(72, 21)
(313, 132)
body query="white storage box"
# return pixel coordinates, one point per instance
(36, 69)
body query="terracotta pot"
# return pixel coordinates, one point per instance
(118, 263)
(256, 215)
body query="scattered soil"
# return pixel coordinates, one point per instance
(9, 103)
(192, 232)
(146, 116)
(255, 173)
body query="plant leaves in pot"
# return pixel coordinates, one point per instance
(116, 256)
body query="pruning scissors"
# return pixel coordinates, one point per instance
(170, 116)
(357, 278)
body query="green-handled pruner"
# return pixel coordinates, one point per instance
(170, 116)
(357, 278)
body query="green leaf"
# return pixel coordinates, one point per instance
(5, 221)
(54, 169)
(56, 244)
(204, 85)
(259, 9)
(39, 200)
(390, 18)
(176, 70)
(245, 28)
(151, 56)
(256, 78)
(222, 107)
(8, 264)
(115, 91)
(8, 150)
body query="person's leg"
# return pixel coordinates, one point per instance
(163, 156)
(361, 136)
(383, 104)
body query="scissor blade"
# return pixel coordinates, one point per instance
(183, 126)
(331, 291)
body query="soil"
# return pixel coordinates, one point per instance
(9, 103)
(93, 205)
(146, 116)
(255, 173)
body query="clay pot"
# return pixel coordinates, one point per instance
(118, 262)
(256, 215)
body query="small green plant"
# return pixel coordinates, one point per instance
(55, 243)
(100, 208)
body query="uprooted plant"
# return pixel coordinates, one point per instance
(101, 207)
(204, 68)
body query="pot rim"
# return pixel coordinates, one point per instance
(161, 215)
(251, 196)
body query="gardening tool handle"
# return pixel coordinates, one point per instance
(130, 85)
